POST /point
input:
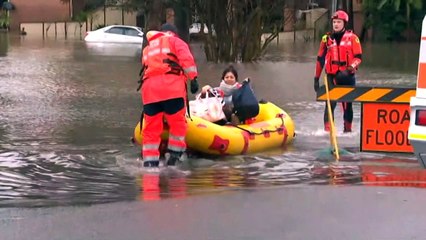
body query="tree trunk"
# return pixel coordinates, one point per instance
(364, 34)
(182, 19)
(351, 15)
(154, 15)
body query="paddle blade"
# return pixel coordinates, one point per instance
(329, 153)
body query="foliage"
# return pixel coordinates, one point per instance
(238, 28)
(91, 5)
(81, 16)
(4, 20)
(394, 19)
(99, 26)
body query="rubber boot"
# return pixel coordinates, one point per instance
(327, 126)
(151, 164)
(347, 127)
(172, 158)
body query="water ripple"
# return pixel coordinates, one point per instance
(55, 179)
(68, 110)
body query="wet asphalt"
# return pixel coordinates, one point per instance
(320, 212)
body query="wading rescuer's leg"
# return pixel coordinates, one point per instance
(348, 116)
(152, 139)
(153, 120)
(326, 120)
(175, 116)
(331, 83)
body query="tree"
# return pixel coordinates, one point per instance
(391, 18)
(236, 28)
(153, 11)
(410, 6)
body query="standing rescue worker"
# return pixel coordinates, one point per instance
(340, 53)
(168, 63)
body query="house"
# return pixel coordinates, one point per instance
(40, 11)
(61, 11)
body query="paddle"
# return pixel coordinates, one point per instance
(333, 138)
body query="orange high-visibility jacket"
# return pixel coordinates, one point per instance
(339, 57)
(169, 63)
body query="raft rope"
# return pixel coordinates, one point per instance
(277, 129)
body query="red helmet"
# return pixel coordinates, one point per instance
(341, 15)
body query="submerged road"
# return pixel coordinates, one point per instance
(67, 143)
(313, 212)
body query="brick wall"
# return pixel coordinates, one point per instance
(38, 11)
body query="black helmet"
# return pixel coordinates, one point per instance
(169, 27)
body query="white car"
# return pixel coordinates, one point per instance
(116, 34)
(195, 28)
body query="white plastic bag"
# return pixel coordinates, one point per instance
(208, 108)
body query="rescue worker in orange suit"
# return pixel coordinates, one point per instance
(168, 64)
(340, 53)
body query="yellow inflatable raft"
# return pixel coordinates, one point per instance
(272, 128)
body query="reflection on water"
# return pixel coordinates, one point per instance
(114, 49)
(399, 58)
(68, 110)
(260, 171)
(4, 43)
(49, 179)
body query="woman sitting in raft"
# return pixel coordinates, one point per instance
(240, 102)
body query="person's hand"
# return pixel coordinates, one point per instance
(351, 69)
(342, 75)
(194, 85)
(205, 88)
(247, 80)
(316, 84)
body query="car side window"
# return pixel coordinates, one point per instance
(116, 30)
(131, 32)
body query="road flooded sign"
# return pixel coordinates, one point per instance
(384, 127)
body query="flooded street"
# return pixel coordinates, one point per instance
(68, 111)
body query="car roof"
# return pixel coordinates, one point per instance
(128, 26)
(115, 25)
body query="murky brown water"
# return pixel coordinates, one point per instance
(68, 111)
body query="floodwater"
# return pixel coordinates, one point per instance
(68, 110)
